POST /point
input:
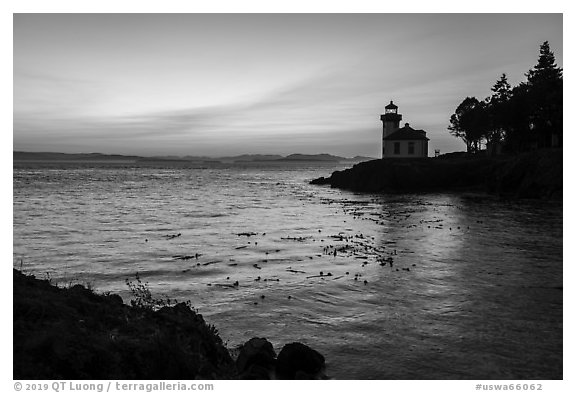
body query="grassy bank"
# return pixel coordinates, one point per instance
(73, 333)
(530, 175)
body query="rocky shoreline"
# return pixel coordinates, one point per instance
(74, 333)
(536, 174)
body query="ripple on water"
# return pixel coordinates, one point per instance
(421, 286)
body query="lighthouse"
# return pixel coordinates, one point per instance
(404, 142)
(390, 122)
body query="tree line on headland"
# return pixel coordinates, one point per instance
(515, 119)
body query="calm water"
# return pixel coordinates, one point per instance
(474, 292)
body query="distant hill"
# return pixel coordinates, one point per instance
(312, 157)
(360, 159)
(180, 158)
(324, 158)
(48, 156)
(251, 158)
(292, 157)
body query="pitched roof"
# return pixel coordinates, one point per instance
(391, 105)
(407, 133)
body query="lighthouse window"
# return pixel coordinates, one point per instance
(410, 147)
(396, 147)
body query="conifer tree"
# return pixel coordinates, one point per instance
(545, 91)
(502, 89)
(498, 107)
(546, 72)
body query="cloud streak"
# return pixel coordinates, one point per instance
(207, 84)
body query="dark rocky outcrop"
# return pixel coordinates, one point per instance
(299, 361)
(257, 359)
(76, 334)
(531, 175)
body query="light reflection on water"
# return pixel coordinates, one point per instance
(475, 290)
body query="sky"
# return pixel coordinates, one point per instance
(227, 84)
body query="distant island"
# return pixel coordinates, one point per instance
(20, 156)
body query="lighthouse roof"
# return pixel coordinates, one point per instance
(391, 106)
(407, 133)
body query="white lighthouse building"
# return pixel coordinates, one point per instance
(404, 142)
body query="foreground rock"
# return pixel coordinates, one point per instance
(257, 359)
(73, 333)
(531, 175)
(299, 361)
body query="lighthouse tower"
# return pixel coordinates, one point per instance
(390, 121)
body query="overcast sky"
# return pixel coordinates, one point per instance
(224, 84)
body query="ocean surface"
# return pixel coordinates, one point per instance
(393, 286)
